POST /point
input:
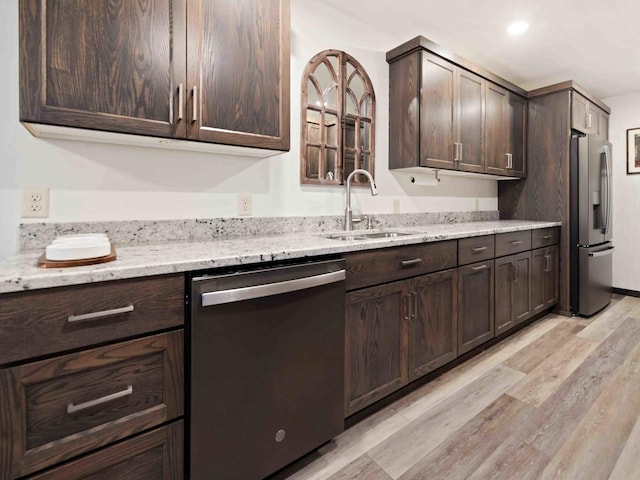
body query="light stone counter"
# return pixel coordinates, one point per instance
(20, 272)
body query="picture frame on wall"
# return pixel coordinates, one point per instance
(633, 150)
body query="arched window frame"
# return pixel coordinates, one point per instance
(323, 162)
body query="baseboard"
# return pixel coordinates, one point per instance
(624, 291)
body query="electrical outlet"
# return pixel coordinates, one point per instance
(35, 202)
(245, 204)
(396, 205)
(477, 204)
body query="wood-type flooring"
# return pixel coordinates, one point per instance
(559, 399)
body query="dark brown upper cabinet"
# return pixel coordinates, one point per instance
(505, 133)
(338, 120)
(211, 71)
(447, 113)
(588, 117)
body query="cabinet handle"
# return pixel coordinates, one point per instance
(547, 267)
(407, 306)
(71, 408)
(479, 249)
(516, 242)
(589, 120)
(479, 267)
(98, 315)
(455, 152)
(507, 155)
(414, 310)
(547, 237)
(461, 155)
(511, 161)
(180, 101)
(194, 119)
(410, 263)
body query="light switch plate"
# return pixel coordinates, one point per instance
(35, 202)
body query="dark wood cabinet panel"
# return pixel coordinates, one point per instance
(404, 112)
(112, 66)
(375, 343)
(496, 130)
(517, 131)
(513, 242)
(512, 291)
(385, 265)
(69, 405)
(156, 455)
(238, 72)
(544, 278)
(438, 113)
(433, 322)
(475, 305)
(585, 116)
(476, 249)
(43, 322)
(471, 121)
(213, 71)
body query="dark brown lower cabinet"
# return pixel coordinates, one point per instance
(475, 305)
(376, 343)
(156, 455)
(512, 291)
(396, 333)
(544, 278)
(433, 339)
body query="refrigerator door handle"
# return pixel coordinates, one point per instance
(607, 182)
(602, 253)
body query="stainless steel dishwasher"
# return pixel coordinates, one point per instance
(267, 368)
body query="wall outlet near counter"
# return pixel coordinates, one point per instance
(396, 205)
(35, 202)
(245, 204)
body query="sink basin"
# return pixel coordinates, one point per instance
(348, 236)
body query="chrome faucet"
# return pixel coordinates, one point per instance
(348, 214)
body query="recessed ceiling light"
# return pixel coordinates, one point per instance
(517, 28)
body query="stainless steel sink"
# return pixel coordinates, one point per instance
(348, 236)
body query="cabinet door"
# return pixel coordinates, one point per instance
(156, 455)
(539, 264)
(522, 288)
(496, 129)
(585, 116)
(238, 60)
(376, 343)
(517, 118)
(433, 322)
(603, 125)
(112, 66)
(551, 277)
(505, 278)
(438, 113)
(471, 117)
(475, 305)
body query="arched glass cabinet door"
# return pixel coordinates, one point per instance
(338, 119)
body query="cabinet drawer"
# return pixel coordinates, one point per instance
(513, 242)
(385, 265)
(43, 322)
(64, 406)
(475, 249)
(544, 237)
(154, 455)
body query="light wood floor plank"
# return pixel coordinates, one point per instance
(543, 380)
(628, 464)
(535, 353)
(595, 445)
(406, 447)
(523, 463)
(361, 469)
(609, 319)
(465, 450)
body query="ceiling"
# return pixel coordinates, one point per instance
(593, 42)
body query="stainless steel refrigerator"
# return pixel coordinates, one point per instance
(591, 221)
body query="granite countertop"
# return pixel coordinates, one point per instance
(20, 272)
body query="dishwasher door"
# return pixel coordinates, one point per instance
(267, 368)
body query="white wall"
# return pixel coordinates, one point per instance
(90, 181)
(625, 114)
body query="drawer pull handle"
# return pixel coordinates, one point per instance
(478, 268)
(516, 242)
(547, 237)
(97, 315)
(479, 249)
(71, 408)
(409, 263)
